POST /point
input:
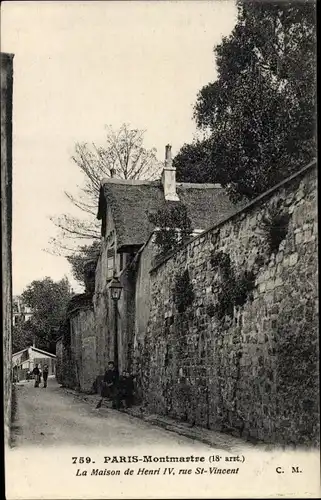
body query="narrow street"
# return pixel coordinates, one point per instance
(52, 417)
(59, 441)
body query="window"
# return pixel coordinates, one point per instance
(110, 262)
(121, 261)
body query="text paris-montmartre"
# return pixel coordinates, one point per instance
(152, 459)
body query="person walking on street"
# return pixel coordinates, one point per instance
(45, 375)
(37, 374)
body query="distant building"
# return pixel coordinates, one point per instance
(25, 360)
(20, 312)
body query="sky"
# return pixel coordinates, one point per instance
(79, 66)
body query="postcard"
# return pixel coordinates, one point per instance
(159, 245)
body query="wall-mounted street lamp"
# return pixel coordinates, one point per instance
(115, 293)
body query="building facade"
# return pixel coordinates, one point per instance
(25, 360)
(125, 207)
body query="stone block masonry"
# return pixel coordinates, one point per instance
(76, 349)
(239, 353)
(83, 342)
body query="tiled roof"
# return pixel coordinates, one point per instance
(131, 202)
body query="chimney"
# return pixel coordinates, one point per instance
(169, 176)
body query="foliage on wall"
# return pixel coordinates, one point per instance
(236, 289)
(183, 291)
(174, 227)
(81, 257)
(297, 371)
(275, 226)
(66, 334)
(211, 310)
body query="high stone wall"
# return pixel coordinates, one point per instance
(239, 353)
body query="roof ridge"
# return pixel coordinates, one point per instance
(35, 348)
(157, 182)
(129, 182)
(199, 185)
(19, 352)
(41, 350)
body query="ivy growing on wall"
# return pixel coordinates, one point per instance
(66, 334)
(174, 227)
(211, 310)
(275, 226)
(222, 261)
(183, 291)
(237, 287)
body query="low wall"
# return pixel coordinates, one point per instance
(239, 352)
(59, 362)
(83, 345)
(69, 375)
(76, 351)
(65, 367)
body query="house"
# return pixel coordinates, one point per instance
(128, 249)
(125, 207)
(26, 359)
(97, 329)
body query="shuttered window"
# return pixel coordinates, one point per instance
(110, 262)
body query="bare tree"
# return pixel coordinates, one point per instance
(122, 156)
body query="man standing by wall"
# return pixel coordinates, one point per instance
(110, 385)
(111, 381)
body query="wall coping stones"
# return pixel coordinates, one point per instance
(79, 301)
(239, 213)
